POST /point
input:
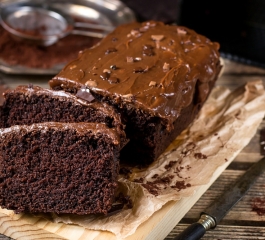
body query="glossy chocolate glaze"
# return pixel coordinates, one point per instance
(153, 66)
(81, 129)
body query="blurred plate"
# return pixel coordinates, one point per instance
(107, 12)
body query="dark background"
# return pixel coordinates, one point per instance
(239, 26)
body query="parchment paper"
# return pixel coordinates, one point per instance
(226, 124)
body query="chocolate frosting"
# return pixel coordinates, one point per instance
(155, 67)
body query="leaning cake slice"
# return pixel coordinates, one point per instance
(58, 167)
(26, 105)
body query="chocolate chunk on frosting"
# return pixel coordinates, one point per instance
(167, 66)
(84, 93)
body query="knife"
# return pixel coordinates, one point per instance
(211, 217)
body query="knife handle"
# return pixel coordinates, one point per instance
(196, 230)
(193, 232)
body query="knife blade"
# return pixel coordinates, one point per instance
(211, 217)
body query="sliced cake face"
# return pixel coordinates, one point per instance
(33, 104)
(58, 167)
(155, 67)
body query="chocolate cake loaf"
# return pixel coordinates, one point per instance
(58, 167)
(158, 77)
(33, 104)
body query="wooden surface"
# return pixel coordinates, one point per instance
(241, 222)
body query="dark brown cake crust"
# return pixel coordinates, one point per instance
(157, 76)
(58, 167)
